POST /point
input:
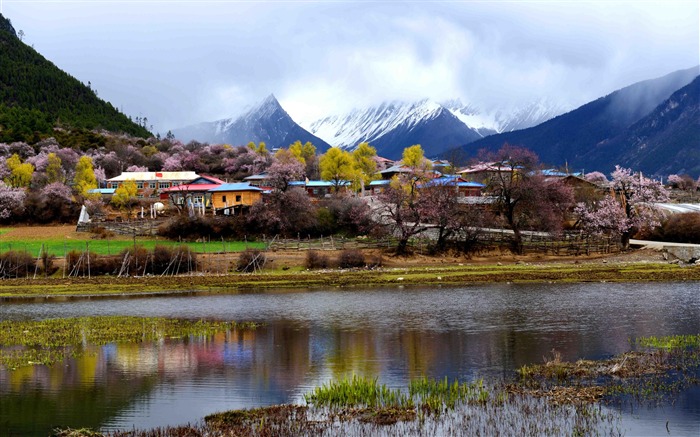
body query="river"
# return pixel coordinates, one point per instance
(312, 336)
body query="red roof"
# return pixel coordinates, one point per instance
(189, 188)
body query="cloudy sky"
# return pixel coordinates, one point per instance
(181, 62)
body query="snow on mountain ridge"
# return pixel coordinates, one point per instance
(366, 125)
(347, 131)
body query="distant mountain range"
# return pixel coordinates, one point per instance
(631, 125)
(665, 141)
(36, 96)
(642, 126)
(391, 127)
(266, 121)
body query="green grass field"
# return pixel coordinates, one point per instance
(59, 247)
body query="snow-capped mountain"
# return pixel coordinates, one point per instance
(267, 121)
(391, 127)
(506, 120)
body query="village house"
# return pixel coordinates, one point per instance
(258, 180)
(196, 191)
(378, 186)
(150, 183)
(484, 172)
(462, 187)
(320, 189)
(234, 198)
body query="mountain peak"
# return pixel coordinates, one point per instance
(268, 106)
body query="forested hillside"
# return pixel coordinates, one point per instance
(35, 96)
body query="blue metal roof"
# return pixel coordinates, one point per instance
(380, 182)
(102, 190)
(451, 181)
(237, 186)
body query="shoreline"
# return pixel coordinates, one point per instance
(44, 289)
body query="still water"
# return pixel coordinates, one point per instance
(310, 337)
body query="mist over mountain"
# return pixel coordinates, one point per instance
(572, 137)
(267, 121)
(506, 119)
(663, 142)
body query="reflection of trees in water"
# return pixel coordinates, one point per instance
(84, 392)
(275, 362)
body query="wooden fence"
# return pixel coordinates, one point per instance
(572, 243)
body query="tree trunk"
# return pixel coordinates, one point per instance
(517, 243)
(401, 248)
(625, 240)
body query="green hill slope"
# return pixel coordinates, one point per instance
(35, 96)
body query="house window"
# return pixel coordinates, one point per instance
(139, 185)
(223, 198)
(163, 185)
(238, 198)
(152, 185)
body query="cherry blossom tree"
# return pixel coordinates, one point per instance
(284, 170)
(637, 196)
(136, 168)
(440, 207)
(596, 177)
(607, 217)
(11, 202)
(524, 198)
(682, 182)
(52, 203)
(287, 213)
(630, 208)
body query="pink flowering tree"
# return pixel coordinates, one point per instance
(100, 175)
(11, 202)
(631, 210)
(682, 182)
(284, 170)
(596, 177)
(606, 218)
(136, 168)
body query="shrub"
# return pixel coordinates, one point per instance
(315, 260)
(172, 260)
(350, 258)
(101, 233)
(15, 264)
(678, 228)
(375, 260)
(190, 229)
(78, 263)
(251, 260)
(47, 265)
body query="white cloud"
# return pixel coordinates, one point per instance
(181, 63)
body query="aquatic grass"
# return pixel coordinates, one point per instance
(357, 392)
(498, 415)
(436, 395)
(24, 343)
(669, 365)
(670, 342)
